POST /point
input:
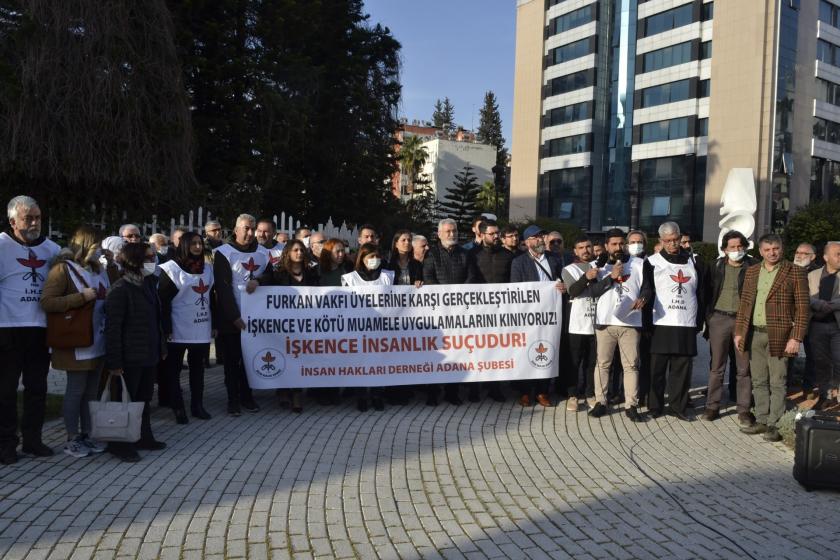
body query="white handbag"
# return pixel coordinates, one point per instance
(115, 420)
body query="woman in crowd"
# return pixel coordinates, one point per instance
(407, 270)
(76, 279)
(134, 338)
(186, 300)
(293, 271)
(333, 263)
(369, 272)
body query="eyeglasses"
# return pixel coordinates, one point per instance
(511, 235)
(556, 242)
(132, 236)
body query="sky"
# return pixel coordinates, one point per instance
(452, 48)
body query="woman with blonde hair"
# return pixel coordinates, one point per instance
(77, 278)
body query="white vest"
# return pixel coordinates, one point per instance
(23, 271)
(191, 322)
(676, 292)
(100, 283)
(615, 305)
(386, 278)
(582, 309)
(244, 267)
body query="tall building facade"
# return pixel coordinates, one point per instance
(628, 113)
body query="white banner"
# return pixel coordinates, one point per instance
(400, 335)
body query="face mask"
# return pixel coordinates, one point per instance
(635, 249)
(148, 268)
(373, 264)
(735, 255)
(305, 242)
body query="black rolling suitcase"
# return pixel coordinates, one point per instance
(817, 453)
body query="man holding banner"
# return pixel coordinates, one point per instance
(234, 265)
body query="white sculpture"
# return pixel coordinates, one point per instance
(738, 204)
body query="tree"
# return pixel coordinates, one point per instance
(490, 127)
(444, 115)
(422, 208)
(460, 202)
(485, 201)
(412, 157)
(815, 223)
(92, 106)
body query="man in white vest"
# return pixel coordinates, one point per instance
(676, 279)
(618, 320)
(580, 277)
(25, 259)
(234, 264)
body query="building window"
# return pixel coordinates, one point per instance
(666, 191)
(708, 11)
(571, 51)
(565, 195)
(828, 53)
(829, 14)
(705, 50)
(669, 56)
(551, 3)
(827, 131)
(704, 88)
(570, 113)
(664, 130)
(702, 127)
(670, 19)
(568, 145)
(665, 93)
(572, 20)
(572, 82)
(828, 92)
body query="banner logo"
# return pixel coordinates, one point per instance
(269, 363)
(541, 354)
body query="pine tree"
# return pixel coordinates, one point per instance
(437, 115)
(423, 208)
(460, 201)
(443, 116)
(490, 127)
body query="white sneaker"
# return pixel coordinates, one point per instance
(572, 404)
(93, 445)
(591, 402)
(76, 448)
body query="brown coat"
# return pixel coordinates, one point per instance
(59, 295)
(787, 306)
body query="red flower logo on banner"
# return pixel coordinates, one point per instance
(267, 359)
(201, 289)
(33, 263)
(680, 279)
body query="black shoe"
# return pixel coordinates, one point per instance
(200, 413)
(432, 400)
(125, 455)
(496, 395)
(8, 455)
(772, 434)
(362, 405)
(181, 416)
(150, 445)
(233, 409)
(597, 411)
(250, 406)
(378, 404)
(633, 414)
(656, 413)
(678, 415)
(711, 414)
(474, 394)
(618, 399)
(755, 429)
(37, 448)
(454, 400)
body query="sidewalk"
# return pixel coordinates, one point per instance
(482, 480)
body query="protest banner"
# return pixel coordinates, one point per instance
(400, 335)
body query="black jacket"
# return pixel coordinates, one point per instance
(716, 274)
(415, 269)
(493, 264)
(130, 311)
(523, 268)
(449, 266)
(280, 277)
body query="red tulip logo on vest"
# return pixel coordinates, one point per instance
(250, 266)
(201, 289)
(620, 288)
(33, 263)
(680, 279)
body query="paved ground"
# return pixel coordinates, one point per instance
(477, 481)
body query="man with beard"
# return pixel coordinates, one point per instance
(213, 234)
(234, 265)
(265, 237)
(618, 321)
(510, 240)
(447, 263)
(25, 258)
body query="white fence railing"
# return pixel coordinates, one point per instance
(195, 220)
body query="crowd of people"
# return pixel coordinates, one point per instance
(629, 334)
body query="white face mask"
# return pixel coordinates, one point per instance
(635, 249)
(735, 255)
(305, 242)
(373, 264)
(148, 268)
